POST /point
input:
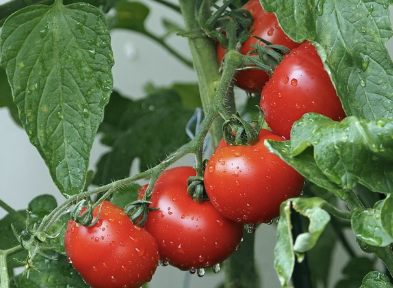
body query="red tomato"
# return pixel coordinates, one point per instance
(299, 85)
(265, 26)
(112, 253)
(189, 235)
(247, 184)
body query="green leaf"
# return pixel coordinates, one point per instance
(367, 226)
(148, 129)
(129, 15)
(376, 279)
(351, 37)
(305, 164)
(354, 271)
(348, 152)
(42, 205)
(58, 60)
(285, 250)
(50, 273)
(387, 215)
(125, 195)
(6, 97)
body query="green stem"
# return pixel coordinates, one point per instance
(203, 51)
(158, 40)
(336, 212)
(14, 214)
(4, 278)
(240, 268)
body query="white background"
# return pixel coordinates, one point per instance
(23, 174)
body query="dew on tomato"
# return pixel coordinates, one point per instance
(252, 188)
(193, 229)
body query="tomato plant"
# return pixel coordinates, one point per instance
(245, 183)
(113, 252)
(265, 25)
(190, 235)
(57, 84)
(299, 85)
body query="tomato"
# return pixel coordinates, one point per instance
(189, 235)
(112, 253)
(247, 184)
(299, 85)
(265, 26)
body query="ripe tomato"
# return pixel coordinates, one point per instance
(299, 85)
(189, 235)
(265, 26)
(112, 253)
(247, 184)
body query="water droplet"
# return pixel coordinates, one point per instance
(270, 31)
(363, 82)
(96, 239)
(60, 114)
(363, 29)
(201, 272)
(286, 80)
(112, 243)
(279, 94)
(320, 7)
(192, 270)
(211, 169)
(140, 251)
(250, 228)
(365, 62)
(92, 53)
(113, 279)
(238, 154)
(201, 258)
(220, 222)
(294, 82)
(216, 268)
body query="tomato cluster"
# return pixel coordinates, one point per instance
(245, 184)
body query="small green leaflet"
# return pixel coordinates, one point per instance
(346, 153)
(58, 61)
(285, 250)
(376, 279)
(351, 37)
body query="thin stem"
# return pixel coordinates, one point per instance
(14, 214)
(158, 40)
(4, 278)
(336, 212)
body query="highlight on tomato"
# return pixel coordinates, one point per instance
(247, 184)
(265, 25)
(113, 253)
(189, 235)
(299, 85)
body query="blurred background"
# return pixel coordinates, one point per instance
(23, 174)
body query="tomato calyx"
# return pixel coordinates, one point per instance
(239, 132)
(85, 217)
(196, 189)
(138, 211)
(230, 27)
(264, 57)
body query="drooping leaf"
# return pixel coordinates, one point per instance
(351, 37)
(285, 249)
(348, 152)
(376, 279)
(148, 129)
(49, 273)
(58, 61)
(367, 226)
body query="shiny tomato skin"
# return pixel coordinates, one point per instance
(299, 85)
(247, 184)
(189, 235)
(265, 25)
(114, 253)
